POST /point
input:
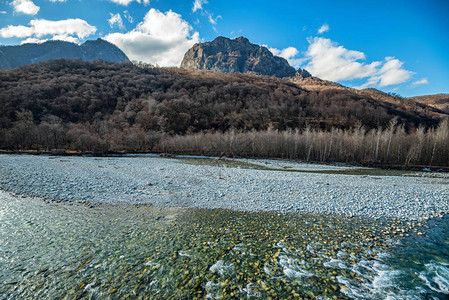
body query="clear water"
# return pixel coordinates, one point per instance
(74, 251)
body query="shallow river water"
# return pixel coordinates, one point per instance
(62, 250)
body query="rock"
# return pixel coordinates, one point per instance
(15, 56)
(303, 73)
(237, 55)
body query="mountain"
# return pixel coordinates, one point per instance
(432, 105)
(303, 73)
(237, 55)
(15, 56)
(439, 101)
(314, 83)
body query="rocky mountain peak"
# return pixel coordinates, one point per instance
(303, 73)
(236, 55)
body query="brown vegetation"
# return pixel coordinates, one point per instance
(439, 101)
(106, 107)
(389, 147)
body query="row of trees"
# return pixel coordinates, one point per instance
(391, 146)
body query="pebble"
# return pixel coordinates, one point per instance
(170, 182)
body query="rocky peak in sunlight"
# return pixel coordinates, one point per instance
(236, 55)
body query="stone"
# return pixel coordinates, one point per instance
(303, 73)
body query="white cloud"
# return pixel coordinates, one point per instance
(126, 2)
(32, 41)
(116, 20)
(161, 38)
(68, 30)
(328, 60)
(16, 31)
(198, 5)
(25, 6)
(128, 16)
(392, 73)
(422, 81)
(2, 12)
(289, 54)
(213, 20)
(285, 53)
(168, 26)
(65, 38)
(76, 27)
(324, 28)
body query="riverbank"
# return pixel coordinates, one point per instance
(241, 185)
(62, 153)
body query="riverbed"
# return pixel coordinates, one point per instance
(242, 185)
(85, 227)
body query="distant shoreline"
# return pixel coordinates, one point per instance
(63, 153)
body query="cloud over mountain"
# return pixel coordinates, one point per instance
(161, 38)
(328, 60)
(69, 29)
(289, 54)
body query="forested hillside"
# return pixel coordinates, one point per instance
(100, 106)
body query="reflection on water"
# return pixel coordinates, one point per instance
(73, 251)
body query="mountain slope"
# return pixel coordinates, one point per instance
(15, 56)
(184, 101)
(439, 101)
(420, 105)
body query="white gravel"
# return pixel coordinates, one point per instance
(289, 165)
(169, 182)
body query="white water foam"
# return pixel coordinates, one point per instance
(222, 268)
(436, 277)
(336, 264)
(376, 280)
(291, 267)
(251, 290)
(213, 290)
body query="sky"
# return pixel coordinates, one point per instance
(398, 46)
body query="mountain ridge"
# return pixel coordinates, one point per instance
(439, 101)
(15, 56)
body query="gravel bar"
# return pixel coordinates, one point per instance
(170, 182)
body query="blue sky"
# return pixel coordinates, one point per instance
(395, 46)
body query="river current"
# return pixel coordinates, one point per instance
(60, 250)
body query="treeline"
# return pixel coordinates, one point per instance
(391, 147)
(105, 107)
